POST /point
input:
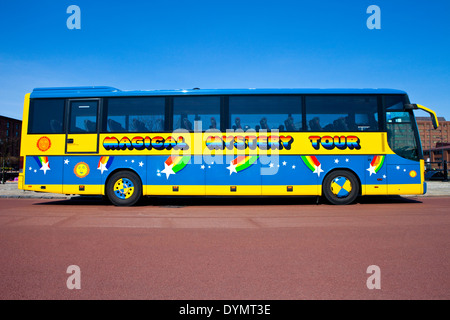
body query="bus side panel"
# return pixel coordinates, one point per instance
(80, 175)
(375, 170)
(289, 175)
(43, 173)
(175, 175)
(233, 175)
(404, 176)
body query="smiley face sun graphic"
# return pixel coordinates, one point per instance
(81, 169)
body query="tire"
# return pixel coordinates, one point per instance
(341, 187)
(124, 188)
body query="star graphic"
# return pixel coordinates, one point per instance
(141, 164)
(168, 170)
(293, 167)
(384, 176)
(45, 167)
(284, 163)
(232, 168)
(202, 166)
(30, 168)
(132, 161)
(102, 167)
(66, 161)
(347, 160)
(336, 160)
(271, 165)
(318, 170)
(371, 170)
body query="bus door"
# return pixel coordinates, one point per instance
(82, 132)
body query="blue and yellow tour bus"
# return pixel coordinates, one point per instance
(335, 143)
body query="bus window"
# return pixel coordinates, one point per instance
(134, 114)
(281, 113)
(400, 125)
(46, 116)
(341, 113)
(188, 110)
(83, 117)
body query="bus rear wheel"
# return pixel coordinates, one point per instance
(341, 187)
(124, 188)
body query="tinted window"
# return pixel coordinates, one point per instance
(187, 110)
(46, 116)
(281, 113)
(140, 114)
(341, 113)
(395, 102)
(83, 117)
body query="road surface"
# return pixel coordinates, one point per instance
(199, 249)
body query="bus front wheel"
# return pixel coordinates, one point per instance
(124, 188)
(341, 187)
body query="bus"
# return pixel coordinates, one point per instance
(338, 144)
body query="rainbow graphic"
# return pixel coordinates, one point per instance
(43, 163)
(241, 163)
(177, 162)
(174, 164)
(41, 160)
(105, 163)
(313, 164)
(376, 164)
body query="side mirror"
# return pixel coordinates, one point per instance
(433, 116)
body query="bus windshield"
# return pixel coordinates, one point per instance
(401, 129)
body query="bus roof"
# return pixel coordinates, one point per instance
(102, 91)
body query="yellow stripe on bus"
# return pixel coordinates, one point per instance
(226, 190)
(322, 143)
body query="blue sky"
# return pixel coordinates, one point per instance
(143, 45)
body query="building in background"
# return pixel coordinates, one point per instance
(10, 132)
(431, 137)
(435, 143)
